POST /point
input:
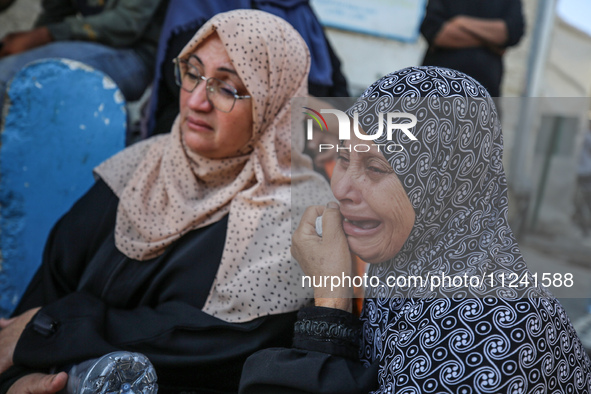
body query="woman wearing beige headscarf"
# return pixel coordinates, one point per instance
(181, 249)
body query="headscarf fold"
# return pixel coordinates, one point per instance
(166, 190)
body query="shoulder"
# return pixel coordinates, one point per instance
(118, 170)
(489, 343)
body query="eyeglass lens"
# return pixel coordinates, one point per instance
(221, 95)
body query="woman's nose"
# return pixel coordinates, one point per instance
(198, 100)
(346, 187)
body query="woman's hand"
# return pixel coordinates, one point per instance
(326, 258)
(39, 383)
(10, 334)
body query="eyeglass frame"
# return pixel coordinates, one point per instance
(179, 82)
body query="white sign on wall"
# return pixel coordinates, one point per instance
(396, 19)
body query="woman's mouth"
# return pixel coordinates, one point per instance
(361, 227)
(198, 125)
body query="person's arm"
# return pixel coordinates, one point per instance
(465, 31)
(454, 34)
(11, 330)
(325, 355)
(73, 238)
(53, 11)
(187, 346)
(39, 383)
(22, 41)
(119, 26)
(324, 359)
(295, 371)
(19, 380)
(515, 23)
(436, 14)
(461, 31)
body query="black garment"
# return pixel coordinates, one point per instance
(428, 337)
(438, 345)
(313, 365)
(480, 63)
(4, 4)
(96, 300)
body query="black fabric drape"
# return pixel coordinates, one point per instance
(96, 300)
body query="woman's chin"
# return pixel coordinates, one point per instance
(369, 253)
(363, 252)
(199, 145)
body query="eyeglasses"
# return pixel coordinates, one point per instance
(220, 94)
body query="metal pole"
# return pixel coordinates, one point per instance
(522, 154)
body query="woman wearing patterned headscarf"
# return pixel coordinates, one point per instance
(178, 249)
(451, 306)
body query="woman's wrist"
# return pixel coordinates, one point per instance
(337, 298)
(327, 330)
(344, 304)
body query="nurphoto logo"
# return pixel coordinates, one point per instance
(344, 132)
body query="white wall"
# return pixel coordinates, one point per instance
(366, 59)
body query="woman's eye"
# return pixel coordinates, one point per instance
(377, 167)
(377, 170)
(343, 158)
(227, 91)
(192, 76)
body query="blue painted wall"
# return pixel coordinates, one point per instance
(63, 119)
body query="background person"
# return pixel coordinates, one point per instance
(4, 4)
(176, 251)
(472, 37)
(117, 37)
(438, 207)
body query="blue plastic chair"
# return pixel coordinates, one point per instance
(62, 118)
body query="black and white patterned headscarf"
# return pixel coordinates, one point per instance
(475, 339)
(453, 175)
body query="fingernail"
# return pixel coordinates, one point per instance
(319, 226)
(332, 204)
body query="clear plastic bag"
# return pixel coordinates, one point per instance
(118, 372)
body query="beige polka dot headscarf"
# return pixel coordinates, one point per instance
(165, 190)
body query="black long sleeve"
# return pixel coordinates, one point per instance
(188, 347)
(440, 11)
(314, 364)
(95, 300)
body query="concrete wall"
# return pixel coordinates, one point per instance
(568, 70)
(366, 59)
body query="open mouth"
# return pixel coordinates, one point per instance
(364, 224)
(361, 227)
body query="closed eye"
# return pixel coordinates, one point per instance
(343, 158)
(192, 76)
(378, 170)
(227, 91)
